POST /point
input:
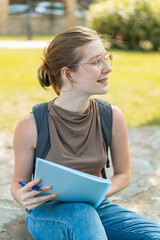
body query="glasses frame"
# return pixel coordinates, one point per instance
(107, 58)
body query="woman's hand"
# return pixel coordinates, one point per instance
(27, 196)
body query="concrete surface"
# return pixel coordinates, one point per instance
(142, 196)
(32, 44)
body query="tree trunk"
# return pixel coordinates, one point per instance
(70, 8)
(4, 16)
(28, 22)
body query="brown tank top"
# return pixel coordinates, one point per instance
(76, 138)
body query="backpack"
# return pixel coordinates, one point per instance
(40, 112)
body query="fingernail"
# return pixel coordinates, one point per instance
(38, 180)
(54, 195)
(50, 187)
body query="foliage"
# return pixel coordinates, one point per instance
(134, 86)
(133, 24)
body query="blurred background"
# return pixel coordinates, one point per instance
(130, 30)
(32, 17)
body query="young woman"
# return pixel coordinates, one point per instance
(77, 66)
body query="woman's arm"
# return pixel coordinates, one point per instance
(24, 143)
(119, 153)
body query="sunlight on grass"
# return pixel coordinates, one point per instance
(134, 86)
(21, 38)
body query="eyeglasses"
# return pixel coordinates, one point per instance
(99, 61)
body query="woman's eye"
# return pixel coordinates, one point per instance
(94, 63)
(99, 61)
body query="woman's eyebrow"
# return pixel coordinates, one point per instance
(95, 57)
(99, 55)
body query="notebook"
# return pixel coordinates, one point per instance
(69, 184)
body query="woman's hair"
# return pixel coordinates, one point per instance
(62, 52)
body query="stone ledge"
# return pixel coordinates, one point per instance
(16, 230)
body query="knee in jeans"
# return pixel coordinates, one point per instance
(82, 211)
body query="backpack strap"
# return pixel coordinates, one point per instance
(40, 112)
(106, 118)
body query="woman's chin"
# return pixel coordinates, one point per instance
(103, 91)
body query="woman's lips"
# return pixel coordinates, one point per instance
(104, 81)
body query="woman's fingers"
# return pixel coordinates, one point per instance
(28, 196)
(33, 183)
(33, 193)
(45, 188)
(30, 185)
(37, 201)
(34, 205)
(41, 199)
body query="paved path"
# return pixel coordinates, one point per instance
(13, 44)
(142, 196)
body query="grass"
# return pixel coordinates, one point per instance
(23, 38)
(134, 86)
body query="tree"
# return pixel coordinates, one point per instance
(4, 16)
(28, 22)
(70, 7)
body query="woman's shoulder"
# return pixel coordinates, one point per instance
(118, 117)
(26, 130)
(26, 123)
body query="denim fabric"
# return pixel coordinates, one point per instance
(80, 221)
(121, 224)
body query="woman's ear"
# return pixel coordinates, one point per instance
(66, 74)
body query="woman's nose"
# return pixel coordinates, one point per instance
(106, 68)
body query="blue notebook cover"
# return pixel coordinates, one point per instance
(69, 184)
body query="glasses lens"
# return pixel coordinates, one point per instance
(109, 59)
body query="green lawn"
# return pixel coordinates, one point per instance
(21, 38)
(134, 86)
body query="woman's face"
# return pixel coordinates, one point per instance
(91, 76)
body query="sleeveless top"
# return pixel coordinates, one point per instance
(76, 138)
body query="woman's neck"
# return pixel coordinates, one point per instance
(73, 104)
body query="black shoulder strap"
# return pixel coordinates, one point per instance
(40, 112)
(105, 110)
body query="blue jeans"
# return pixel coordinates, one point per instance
(80, 221)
